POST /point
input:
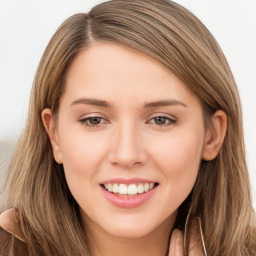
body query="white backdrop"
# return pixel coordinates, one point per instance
(27, 26)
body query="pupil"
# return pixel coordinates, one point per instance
(95, 120)
(160, 120)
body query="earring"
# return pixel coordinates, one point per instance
(186, 234)
(202, 236)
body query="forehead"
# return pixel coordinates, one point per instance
(116, 72)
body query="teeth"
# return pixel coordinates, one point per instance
(122, 189)
(115, 188)
(132, 189)
(141, 189)
(110, 187)
(146, 187)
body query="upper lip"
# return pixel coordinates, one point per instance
(128, 181)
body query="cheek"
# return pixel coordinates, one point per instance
(178, 152)
(82, 156)
(182, 156)
(178, 158)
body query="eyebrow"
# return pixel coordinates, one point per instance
(91, 101)
(106, 104)
(163, 103)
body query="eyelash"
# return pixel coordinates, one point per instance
(86, 121)
(170, 121)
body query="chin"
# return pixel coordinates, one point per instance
(130, 231)
(130, 227)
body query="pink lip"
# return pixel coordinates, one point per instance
(127, 181)
(128, 201)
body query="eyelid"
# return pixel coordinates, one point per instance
(159, 114)
(85, 118)
(92, 114)
(172, 120)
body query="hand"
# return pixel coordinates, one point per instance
(194, 242)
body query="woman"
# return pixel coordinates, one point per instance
(129, 145)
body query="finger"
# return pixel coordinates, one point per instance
(195, 244)
(176, 244)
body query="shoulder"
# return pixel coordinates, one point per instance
(10, 234)
(9, 224)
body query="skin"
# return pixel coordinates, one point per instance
(129, 141)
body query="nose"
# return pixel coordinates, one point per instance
(127, 149)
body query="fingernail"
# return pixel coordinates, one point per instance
(174, 237)
(179, 242)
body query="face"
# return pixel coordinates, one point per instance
(130, 136)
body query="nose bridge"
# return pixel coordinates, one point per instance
(127, 147)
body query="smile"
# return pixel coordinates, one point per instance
(129, 189)
(128, 194)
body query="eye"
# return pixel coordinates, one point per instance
(162, 121)
(92, 121)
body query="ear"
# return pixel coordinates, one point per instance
(214, 135)
(51, 128)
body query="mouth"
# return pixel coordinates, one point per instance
(132, 189)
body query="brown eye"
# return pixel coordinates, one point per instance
(92, 121)
(162, 121)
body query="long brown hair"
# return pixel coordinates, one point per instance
(48, 214)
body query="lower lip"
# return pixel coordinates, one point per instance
(128, 201)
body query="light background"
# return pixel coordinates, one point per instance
(27, 26)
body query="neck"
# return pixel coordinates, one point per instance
(156, 243)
